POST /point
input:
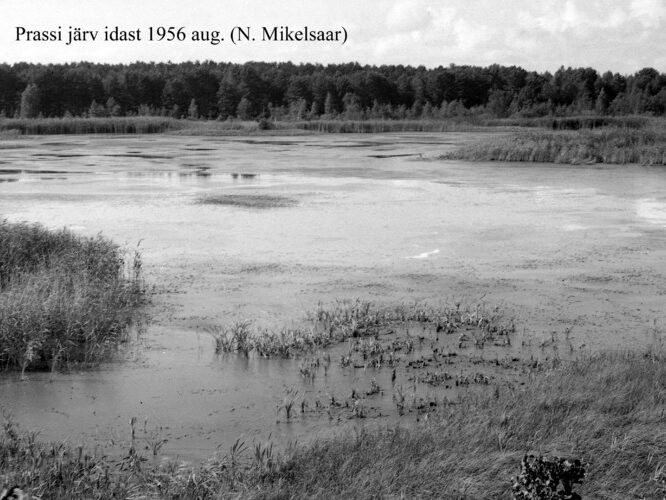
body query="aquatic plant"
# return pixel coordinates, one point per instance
(362, 323)
(288, 404)
(308, 367)
(235, 338)
(374, 388)
(63, 298)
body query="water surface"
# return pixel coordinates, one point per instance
(375, 217)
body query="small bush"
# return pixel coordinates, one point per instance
(540, 478)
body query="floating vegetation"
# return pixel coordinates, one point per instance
(259, 201)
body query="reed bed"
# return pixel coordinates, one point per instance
(115, 125)
(163, 124)
(611, 146)
(576, 122)
(606, 410)
(385, 126)
(63, 298)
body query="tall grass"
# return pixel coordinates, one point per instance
(63, 298)
(607, 410)
(575, 122)
(385, 126)
(160, 124)
(619, 146)
(115, 125)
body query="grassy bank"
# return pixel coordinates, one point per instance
(148, 125)
(63, 298)
(620, 146)
(608, 410)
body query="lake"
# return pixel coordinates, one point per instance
(370, 217)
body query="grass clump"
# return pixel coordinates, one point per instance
(612, 146)
(63, 298)
(330, 324)
(260, 201)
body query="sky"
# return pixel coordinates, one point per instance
(542, 35)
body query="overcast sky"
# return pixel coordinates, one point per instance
(617, 35)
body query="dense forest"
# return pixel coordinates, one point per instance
(284, 91)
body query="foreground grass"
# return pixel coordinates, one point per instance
(608, 410)
(621, 146)
(63, 298)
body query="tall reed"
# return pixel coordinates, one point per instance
(63, 297)
(612, 146)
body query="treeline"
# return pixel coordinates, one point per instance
(286, 91)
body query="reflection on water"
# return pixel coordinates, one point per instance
(652, 210)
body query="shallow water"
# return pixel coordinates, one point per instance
(376, 217)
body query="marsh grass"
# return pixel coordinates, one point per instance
(236, 127)
(611, 146)
(63, 298)
(115, 125)
(385, 126)
(337, 322)
(258, 201)
(584, 122)
(607, 410)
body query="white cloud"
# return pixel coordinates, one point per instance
(408, 16)
(650, 13)
(620, 35)
(470, 36)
